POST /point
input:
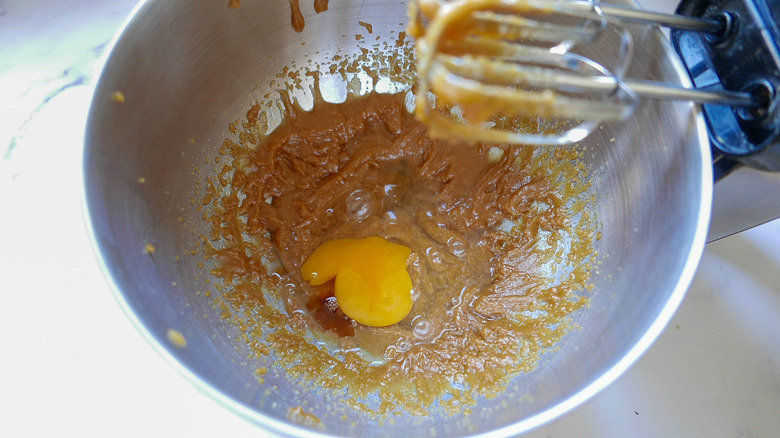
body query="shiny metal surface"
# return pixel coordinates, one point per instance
(745, 198)
(187, 69)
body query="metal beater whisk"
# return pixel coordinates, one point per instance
(483, 61)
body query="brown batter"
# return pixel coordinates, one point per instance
(298, 23)
(482, 221)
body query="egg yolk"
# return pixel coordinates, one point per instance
(372, 284)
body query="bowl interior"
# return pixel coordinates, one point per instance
(188, 69)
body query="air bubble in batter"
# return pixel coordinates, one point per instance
(403, 345)
(456, 246)
(360, 204)
(434, 256)
(422, 329)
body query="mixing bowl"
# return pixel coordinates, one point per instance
(186, 70)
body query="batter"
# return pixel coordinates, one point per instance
(485, 225)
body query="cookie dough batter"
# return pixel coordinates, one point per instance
(497, 264)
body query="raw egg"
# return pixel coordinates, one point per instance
(372, 285)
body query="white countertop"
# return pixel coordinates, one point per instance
(71, 363)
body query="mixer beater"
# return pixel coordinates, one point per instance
(483, 61)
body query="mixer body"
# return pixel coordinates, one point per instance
(746, 58)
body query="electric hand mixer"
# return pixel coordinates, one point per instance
(480, 60)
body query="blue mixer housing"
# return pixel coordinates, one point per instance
(744, 57)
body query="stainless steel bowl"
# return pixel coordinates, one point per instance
(187, 69)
